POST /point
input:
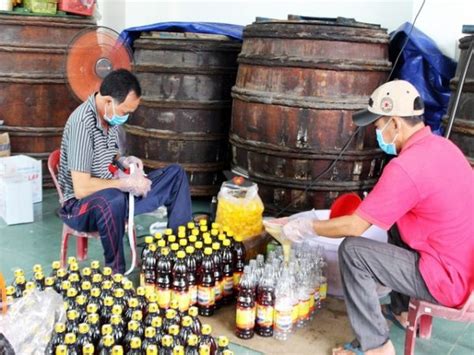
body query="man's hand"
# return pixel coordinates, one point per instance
(126, 161)
(135, 183)
(300, 228)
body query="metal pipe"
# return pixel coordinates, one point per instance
(457, 97)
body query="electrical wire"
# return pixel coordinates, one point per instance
(346, 145)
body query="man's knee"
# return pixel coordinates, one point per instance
(348, 247)
(114, 198)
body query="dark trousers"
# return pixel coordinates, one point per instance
(363, 264)
(106, 211)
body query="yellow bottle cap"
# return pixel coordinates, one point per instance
(156, 322)
(18, 272)
(117, 309)
(61, 273)
(208, 251)
(165, 251)
(133, 302)
(117, 350)
(95, 292)
(170, 314)
(171, 239)
(59, 327)
(108, 339)
(181, 254)
(198, 245)
(226, 242)
(74, 267)
(187, 321)
(61, 350)
(107, 285)
(31, 286)
(206, 329)
(192, 239)
(174, 247)
(148, 239)
(37, 268)
(173, 330)
(215, 225)
(238, 238)
(71, 292)
(128, 285)
(223, 341)
(115, 319)
(182, 234)
(178, 350)
(93, 318)
(72, 314)
(152, 247)
(81, 300)
(190, 225)
(174, 304)
(55, 265)
(168, 231)
(167, 340)
(153, 308)
(161, 243)
(119, 292)
(216, 246)
(189, 249)
(109, 301)
(214, 232)
(97, 278)
(118, 278)
(10, 290)
(95, 264)
(204, 349)
(106, 329)
(92, 308)
(141, 291)
(88, 349)
(150, 332)
(193, 311)
(135, 343)
(69, 338)
(152, 349)
(87, 271)
(192, 340)
(107, 271)
(203, 222)
(183, 242)
(49, 281)
(84, 328)
(137, 315)
(71, 260)
(86, 285)
(195, 232)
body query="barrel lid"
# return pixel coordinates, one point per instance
(329, 21)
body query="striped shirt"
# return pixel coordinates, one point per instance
(86, 147)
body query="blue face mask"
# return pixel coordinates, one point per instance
(115, 120)
(388, 148)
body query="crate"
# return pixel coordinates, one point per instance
(44, 6)
(78, 7)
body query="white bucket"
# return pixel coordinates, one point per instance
(331, 246)
(6, 5)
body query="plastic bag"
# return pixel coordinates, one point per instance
(240, 209)
(30, 320)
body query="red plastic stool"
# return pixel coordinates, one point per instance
(421, 313)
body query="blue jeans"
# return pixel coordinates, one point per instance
(106, 211)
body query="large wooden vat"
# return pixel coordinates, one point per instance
(184, 116)
(35, 102)
(297, 86)
(462, 133)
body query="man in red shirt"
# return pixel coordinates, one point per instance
(427, 192)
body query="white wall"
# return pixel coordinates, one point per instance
(440, 19)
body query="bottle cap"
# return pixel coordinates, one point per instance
(170, 314)
(227, 352)
(238, 238)
(168, 231)
(174, 304)
(115, 319)
(86, 285)
(65, 285)
(181, 254)
(141, 291)
(204, 349)
(173, 330)
(174, 247)
(178, 350)
(192, 340)
(215, 225)
(109, 301)
(148, 239)
(153, 308)
(61, 272)
(152, 349)
(118, 278)
(74, 266)
(49, 281)
(216, 246)
(165, 251)
(137, 315)
(18, 272)
(83, 328)
(198, 245)
(156, 322)
(152, 297)
(117, 309)
(37, 268)
(106, 329)
(10, 290)
(189, 249)
(150, 332)
(107, 285)
(135, 343)
(119, 292)
(133, 302)
(55, 265)
(95, 292)
(206, 236)
(190, 225)
(88, 349)
(221, 237)
(183, 242)
(161, 243)
(61, 350)
(31, 286)
(72, 314)
(182, 234)
(226, 242)
(95, 264)
(223, 341)
(167, 341)
(74, 277)
(81, 300)
(93, 318)
(195, 232)
(192, 239)
(86, 271)
(108, 339)
(158, 236)
(71, 292)
(193, 311)
(206, 329)
(69, 338)
(187, 321)
(128, 285)
(152, 247)
(214, 232)
(117, 350)
(203, 229)
(171, 239)
(59, 327)
(208, 251)
(97, 278)
(71, 260)
(20, 280)
(203, 222)
(133, 325)
(208, 241)
(107, 271)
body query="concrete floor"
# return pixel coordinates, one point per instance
(22, 246)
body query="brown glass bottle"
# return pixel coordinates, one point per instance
(206, 286)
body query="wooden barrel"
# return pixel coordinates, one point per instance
(297, 86)
(35, 101)
(462, 133)
(185, 111)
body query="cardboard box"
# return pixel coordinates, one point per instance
(26, 167)
(16, 200)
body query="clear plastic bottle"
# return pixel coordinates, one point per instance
(191, 268)
(180, 288)
(206, 285)
(284, 301)
(163, 281)
(239, 261)
(228, 272)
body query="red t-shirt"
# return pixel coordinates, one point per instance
(428, 190)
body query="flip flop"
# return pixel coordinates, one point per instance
(354, 347)
(389, 315)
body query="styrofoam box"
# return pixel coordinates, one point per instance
(331, 246)
(16, 200)
(26, 167)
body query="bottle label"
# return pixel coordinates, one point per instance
(245, 318)
(264, 316)
(295, 312)
(218, 290)
(237, 275)
(193, 294)
(206, 296)
(164, 297)
(228, 286)
(323, 291)
(303, 309)
(183, 299)
(283, 317)
(311, 302)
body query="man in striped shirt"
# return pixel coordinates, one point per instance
(94, 198)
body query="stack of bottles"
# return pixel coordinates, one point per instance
(193, 266)
(276, 297)
(105, 315)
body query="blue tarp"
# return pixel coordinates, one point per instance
(429, 70)
(230, 30)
